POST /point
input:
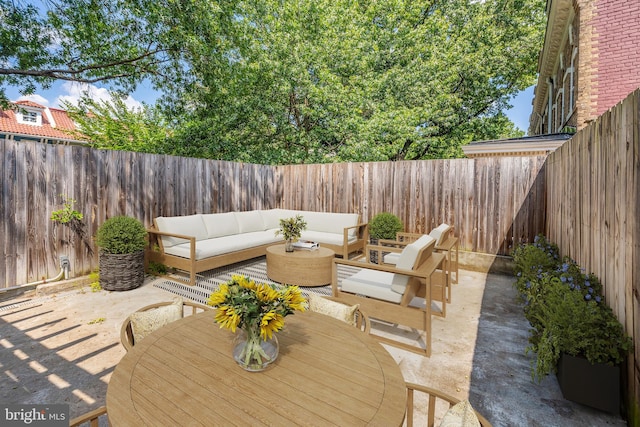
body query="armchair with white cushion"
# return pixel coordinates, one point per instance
(389, 250)
(400, 294)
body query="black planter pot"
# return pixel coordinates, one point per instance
(121, 272)
(597, 386)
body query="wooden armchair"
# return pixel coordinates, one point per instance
(388, 251)
(126, 331)
(90, 418)
(434, 396)
(385, 292)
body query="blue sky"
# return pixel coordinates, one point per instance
(60, 91)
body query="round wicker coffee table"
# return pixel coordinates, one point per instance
(300, 267)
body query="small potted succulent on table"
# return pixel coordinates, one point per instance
(291, 229)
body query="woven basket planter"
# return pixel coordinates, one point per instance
(121, 272)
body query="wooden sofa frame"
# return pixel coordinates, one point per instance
(154, 252)
(419, 285)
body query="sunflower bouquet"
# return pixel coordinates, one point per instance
(259, 310)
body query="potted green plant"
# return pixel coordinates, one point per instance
(121, 240)
(384, 225)
(573, 332)
(291, 230)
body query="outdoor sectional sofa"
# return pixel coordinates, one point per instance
(196, 243)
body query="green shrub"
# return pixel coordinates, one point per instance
(384, 225)
(566, 310)
(121, 235)
(157, 269)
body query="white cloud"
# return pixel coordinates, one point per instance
(35, 98)
(71, 92)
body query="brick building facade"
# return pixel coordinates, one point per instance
(590, 61)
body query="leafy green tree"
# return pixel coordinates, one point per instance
(292, 81)
(113, 125)
(119, 42)
(340, 80)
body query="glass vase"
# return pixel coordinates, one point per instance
(288, 245)
(252, 352)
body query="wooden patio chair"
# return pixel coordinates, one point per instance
(434, 397)
(166, 316)
(388, 250)
(386, 292)
(90, 418)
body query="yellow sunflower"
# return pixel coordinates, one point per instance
(244, 282)
(266, 293)
(220, 296)
(271, 322)
(294, 299)
(228, 317)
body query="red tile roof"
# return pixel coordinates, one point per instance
(63, 123)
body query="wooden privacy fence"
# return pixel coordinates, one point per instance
(593, 185)
(491, 202)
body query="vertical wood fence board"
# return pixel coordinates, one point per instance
(20, 206)
(8, 206)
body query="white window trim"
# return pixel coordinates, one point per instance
(20, 116)
(559, 123)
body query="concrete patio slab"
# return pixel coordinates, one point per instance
(63, 347)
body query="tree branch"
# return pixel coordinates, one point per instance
(74, 74)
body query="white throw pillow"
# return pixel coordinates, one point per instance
(460, 415)
(145, 322)
(334, 309)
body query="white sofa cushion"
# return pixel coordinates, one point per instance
(393, 257)
(439, 233)
(188, 225)
(407, 261)
(330, 222)
(249, 221)
(220, 224)
(272, 217)
(372, 283)
(326, 238)
(225, 244)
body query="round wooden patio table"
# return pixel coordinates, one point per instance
(327, 373)
(301, 267)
